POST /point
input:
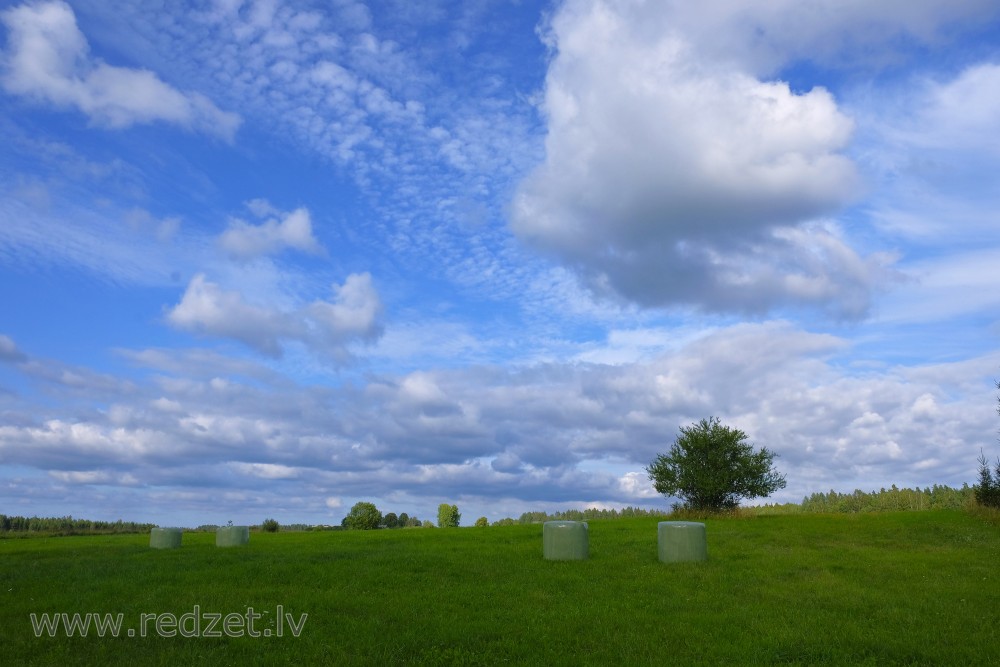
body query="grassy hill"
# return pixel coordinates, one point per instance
(891, 588)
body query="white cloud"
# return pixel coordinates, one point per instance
(354, 313)
(932, 147)
(100, 477)
(9, 351)
(672, 178)
(278, 231)
(267, 470)
(968, 108)
(833, 33)
(206, 308)
(163, 230)
(48, 59)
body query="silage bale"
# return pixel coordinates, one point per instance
(165, 538)
(232, 536)
(565, 540)
(681, 541)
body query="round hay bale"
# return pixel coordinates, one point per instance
(165, 538)
(232, 536)
(565, 540)
(680, 541)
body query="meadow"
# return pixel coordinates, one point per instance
(909, 588)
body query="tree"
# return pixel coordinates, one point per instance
(270, 526)
(404, 520)
(363, 516)
(448, 516)
(390, 520)
(987, 492)
(711, 467)
(482, 522)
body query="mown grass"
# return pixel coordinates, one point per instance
(904, 588)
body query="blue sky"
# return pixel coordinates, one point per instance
(267, 259)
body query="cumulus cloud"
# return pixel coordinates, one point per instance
(48, 59)
(354, 313)
(207, 308)
(671, 177)
(279, 230)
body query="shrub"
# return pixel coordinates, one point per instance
(482, 522)
(270, 526)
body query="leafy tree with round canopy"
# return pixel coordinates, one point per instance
(390, 520)
(711, 467)
(448, 516)
(363, 516)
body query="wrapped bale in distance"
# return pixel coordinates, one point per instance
(232, 536)
(565, 540)
(680, 541)
(165, 538)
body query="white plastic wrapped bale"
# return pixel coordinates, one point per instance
(165, 538)
(565, 540)
(232, 536)
(680, 541)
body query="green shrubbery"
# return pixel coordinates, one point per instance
(270, 526)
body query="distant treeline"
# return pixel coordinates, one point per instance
(890, 500)
(893, 499)
(581, 515)
(67, 525)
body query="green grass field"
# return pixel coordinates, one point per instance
(918, 588)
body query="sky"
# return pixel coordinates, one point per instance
(269, 259)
